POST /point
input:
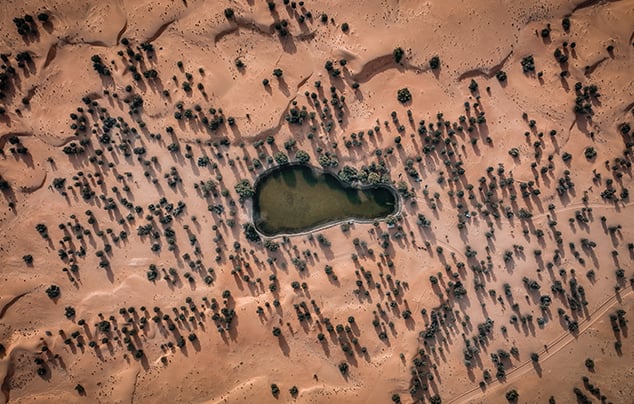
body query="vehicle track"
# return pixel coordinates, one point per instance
(558, 344)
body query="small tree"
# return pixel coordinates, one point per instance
(280, 158)
(244, 189)
(53, 291)
(99, 66)
(512, 395)
(435, 399)
(302, 156)
(250, 232)
(403, 95)
(434, 62)
(473, 86)
(398, 54)
(565, 24)
(69, 312)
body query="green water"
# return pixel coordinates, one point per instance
(297, 198)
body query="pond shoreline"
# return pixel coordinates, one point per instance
(320, 171)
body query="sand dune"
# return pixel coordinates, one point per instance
(128, 271)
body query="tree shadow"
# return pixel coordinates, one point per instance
(283, 344)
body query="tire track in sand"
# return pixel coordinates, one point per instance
(558, 344)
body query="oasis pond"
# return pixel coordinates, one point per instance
(295, 198)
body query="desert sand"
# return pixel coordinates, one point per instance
(126, 274)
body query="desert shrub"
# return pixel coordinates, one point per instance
(280, 158)
(590, 153)
(565, 24)
(250, 232)
(69, 312)
(244, 189)
(473, 86)
(398, 54)
(53, 291)
(302, 156)
(403, 95)
(99, 66)
(528, 64)
(512, 395)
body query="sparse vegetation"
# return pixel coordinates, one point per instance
(491, 233)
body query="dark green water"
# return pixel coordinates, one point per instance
(297, 198)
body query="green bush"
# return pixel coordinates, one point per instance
(398, 54)
(403, 95)
(244, 189)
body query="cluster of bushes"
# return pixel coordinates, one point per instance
(99, 66)
(26, 24)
